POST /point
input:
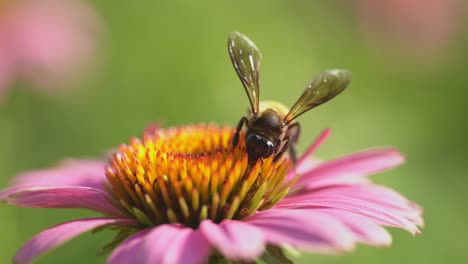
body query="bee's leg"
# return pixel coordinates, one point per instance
(286, 145)
(278, 145)
(235, 139)
(293, 132)
(293, 154)
(292, 136)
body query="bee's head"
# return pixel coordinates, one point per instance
(259, 146)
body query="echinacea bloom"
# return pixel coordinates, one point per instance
(183, 195)
(45, 43)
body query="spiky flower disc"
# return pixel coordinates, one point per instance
(187, 174)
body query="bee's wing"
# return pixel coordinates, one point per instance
(246, 59)
(324, 87)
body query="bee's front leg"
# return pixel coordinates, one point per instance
(235, 139)
(286, 145)
(291, 138)
(294, 132)
(293, 154)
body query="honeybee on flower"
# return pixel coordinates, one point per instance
(188, 195)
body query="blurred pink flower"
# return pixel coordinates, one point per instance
(329, 207)
(422, 26)
(45, 42)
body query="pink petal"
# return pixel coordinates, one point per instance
(319, 141)
(186, 246)
(308, 165)
(399, 22)
(64, 197)
(84, 173)
(358, 164)
(57, 235)
(54, 38)
(374, 212)
(129, 250)
(170, 244)
(305, 229)
(234, 239)
(386, 198)
(377, 196)
(365, 230)
(305, 162)
(8, 56)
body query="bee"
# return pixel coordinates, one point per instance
(271, 126)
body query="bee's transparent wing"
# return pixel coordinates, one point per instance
(324, 87)
(246, 59)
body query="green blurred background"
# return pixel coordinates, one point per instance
(168, 62)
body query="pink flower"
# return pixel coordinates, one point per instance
(181, 195)
(422, 26)
(45, 42)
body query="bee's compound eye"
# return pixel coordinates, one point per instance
(260, 145)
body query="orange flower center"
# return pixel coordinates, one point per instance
(188, 174)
